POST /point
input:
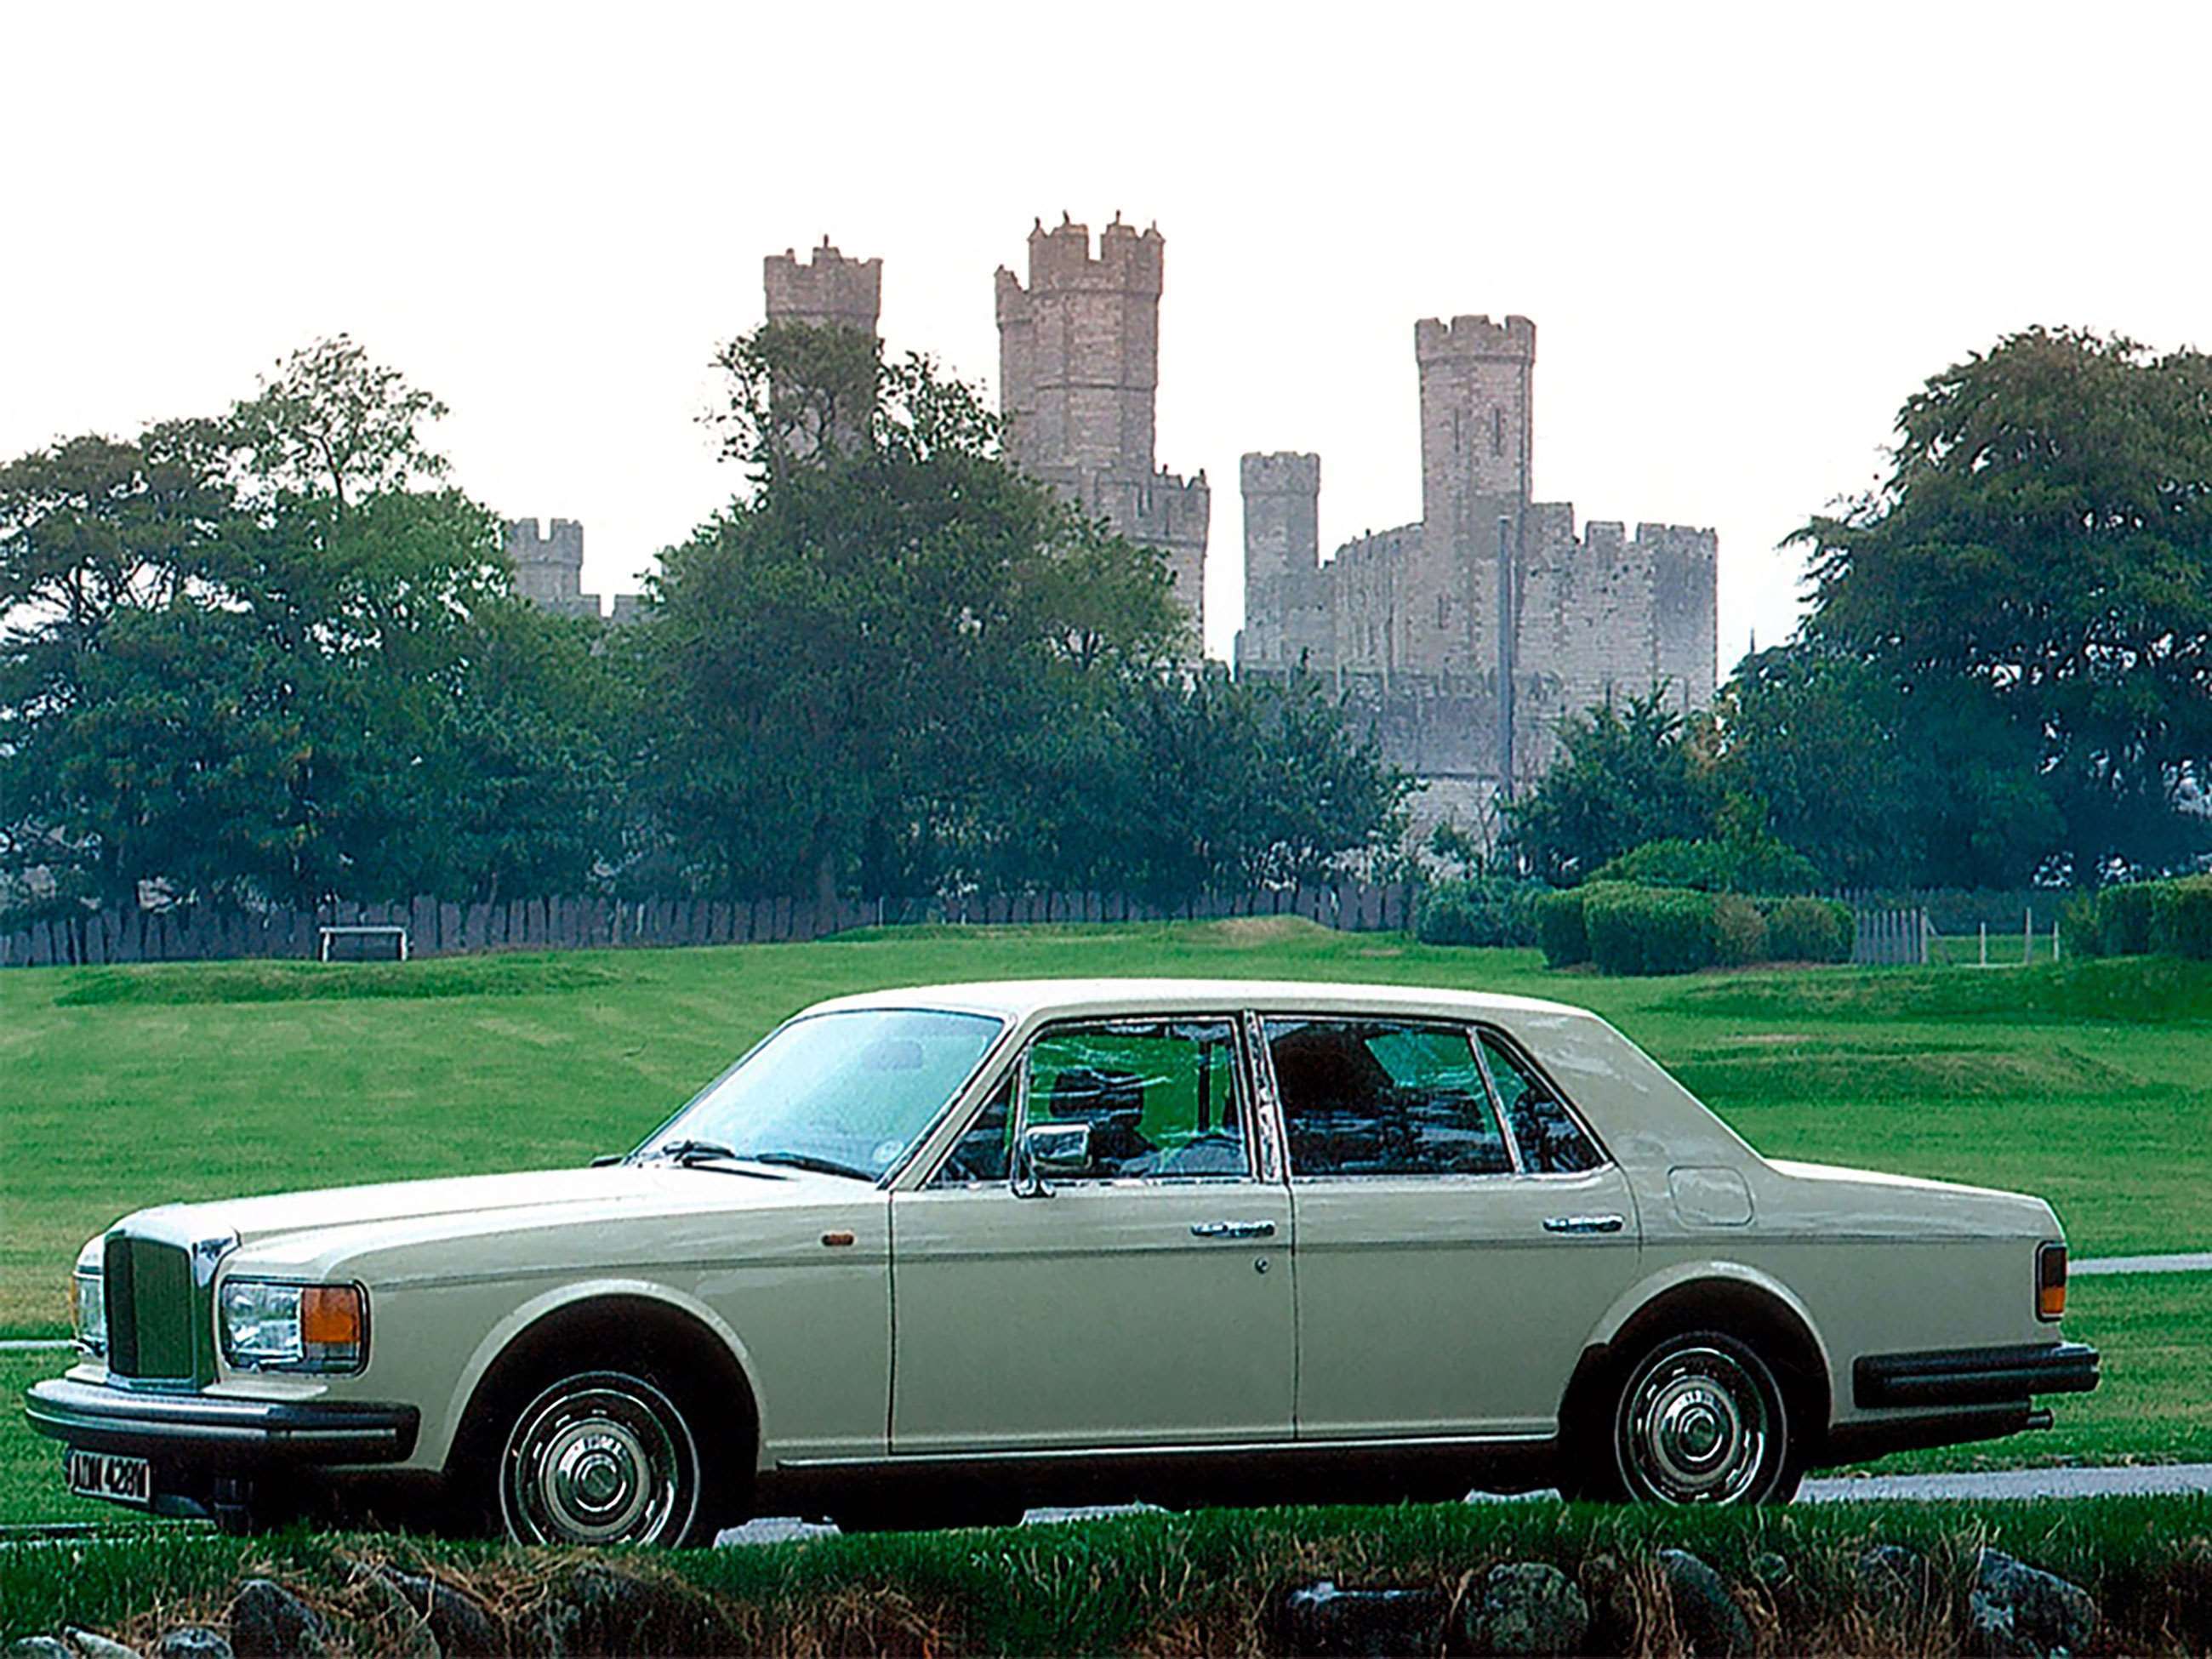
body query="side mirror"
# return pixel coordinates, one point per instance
(1050, 1149)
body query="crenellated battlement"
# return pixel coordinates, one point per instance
(1128, 260)
(1282, 472)
(526, 542)
(828, 290)
(1475, 339)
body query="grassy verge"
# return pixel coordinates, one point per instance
(1202, 1583)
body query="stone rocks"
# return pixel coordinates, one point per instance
(1896, 1584)
(39, 1647)
(93, 1645)
(1527, 1607)
(592, 1610)
(267, 1621)
(1705, 1614)
(461, 1627)
(1320, 1618)
(193, 1642)
(2016, 1609)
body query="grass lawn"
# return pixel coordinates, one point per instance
(2086, 1082)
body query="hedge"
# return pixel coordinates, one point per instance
(1809, 930)
(1482, 910)
(1649, 929)
(1624, 928)
(2167, 918)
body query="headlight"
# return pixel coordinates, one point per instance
(88, 1300)
(268, 1326)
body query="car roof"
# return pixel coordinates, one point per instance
(1021, 999)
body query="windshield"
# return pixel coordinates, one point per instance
(847, 1092)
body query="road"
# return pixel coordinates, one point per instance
(2138, 1480)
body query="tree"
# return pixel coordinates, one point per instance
(847, 650)
(270, 656)
(2040, 556)
(1627, 774)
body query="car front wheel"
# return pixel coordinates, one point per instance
(600, 1457)
(1701, 1420)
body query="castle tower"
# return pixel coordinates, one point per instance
(1286, 613)
(1078, 371)
(548, 568)
(828, 291)
(1079, 348)
(1476, 450)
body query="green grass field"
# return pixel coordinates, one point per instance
(2088, 1082)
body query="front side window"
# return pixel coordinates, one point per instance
(1164, 1098)
(847, 1092)
(1382, 1097)
(983, 1154)
(1551, 1141)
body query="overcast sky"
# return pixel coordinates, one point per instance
(1745, 234)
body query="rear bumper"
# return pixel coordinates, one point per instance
(1973, 1377)
(223, 1436)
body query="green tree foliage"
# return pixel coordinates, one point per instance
(270, 656)
(2029, 596)
(1627, 774)
(896, 663)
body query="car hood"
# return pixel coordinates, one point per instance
(613, 1191)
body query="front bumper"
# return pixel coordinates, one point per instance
(219, 1435)
(1974, 1377)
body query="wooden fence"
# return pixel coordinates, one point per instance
(1886, 937)
(438, 928)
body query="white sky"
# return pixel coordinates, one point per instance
(1745, 234)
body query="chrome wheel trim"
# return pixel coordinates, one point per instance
(1695, 1427)
(600, 1458)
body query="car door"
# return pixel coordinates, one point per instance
(1143, 1301)
(1446, 1281)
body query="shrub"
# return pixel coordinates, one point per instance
(1480, 910)
(2079, 925)
(1649, 930)
(1763, 864)
(2180, 916)
(1560, 931)
(1809, 930)
(2123, 915)
(1739, 931)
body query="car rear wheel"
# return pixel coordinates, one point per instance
(1701, 1419)
(601, 1457)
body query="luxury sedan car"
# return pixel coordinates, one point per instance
(931, 1255)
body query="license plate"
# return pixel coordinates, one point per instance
(107, 1474)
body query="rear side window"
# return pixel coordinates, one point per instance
(1382, 1097)
(1551, 1141)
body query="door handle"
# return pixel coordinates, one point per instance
(1232, 1230)
(1584, 1223)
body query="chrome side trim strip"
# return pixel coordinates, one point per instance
(1202, 1449)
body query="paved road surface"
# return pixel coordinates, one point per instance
(2134, 1481)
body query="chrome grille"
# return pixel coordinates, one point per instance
(153, 1308)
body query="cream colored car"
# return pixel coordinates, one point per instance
(935, 1254)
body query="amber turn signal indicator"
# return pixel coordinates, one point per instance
(330, 1317)
(2051, 1282)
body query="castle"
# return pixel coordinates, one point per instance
(1464, 640)
(548, 568)
(1079, 372)
(1460, 640)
